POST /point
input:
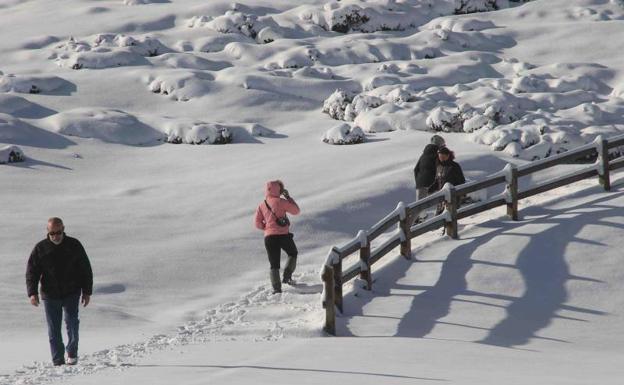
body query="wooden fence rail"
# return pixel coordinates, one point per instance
(334, 276)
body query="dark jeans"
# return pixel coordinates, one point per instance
(275, 244)
(54, 310)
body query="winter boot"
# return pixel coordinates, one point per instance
(291, 264)
(275, 281)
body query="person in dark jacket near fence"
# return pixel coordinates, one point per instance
(447, 170)
(425, 170)
(61, 265)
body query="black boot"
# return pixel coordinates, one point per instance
(291, 264)
(275, 281)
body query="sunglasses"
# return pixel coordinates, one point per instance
(53, 233)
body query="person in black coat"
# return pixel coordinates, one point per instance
(61, 265)
(425, 170)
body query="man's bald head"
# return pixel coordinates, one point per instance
(55, 230)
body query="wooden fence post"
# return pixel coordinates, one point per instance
(604, 177)
(512, 191)
(365, 260)
(337, 267)
(404, 225)
(328, 301)
(451, 206)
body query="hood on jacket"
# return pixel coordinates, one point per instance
(431, 150)
(273, 189)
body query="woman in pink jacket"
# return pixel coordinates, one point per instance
(271, 217)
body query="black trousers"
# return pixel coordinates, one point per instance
(275, 244)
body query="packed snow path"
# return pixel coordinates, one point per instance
(548, 293)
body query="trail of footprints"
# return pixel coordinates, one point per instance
(257, 316)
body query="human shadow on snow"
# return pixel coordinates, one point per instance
(541, 263)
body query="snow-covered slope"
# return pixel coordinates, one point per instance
(106, 98)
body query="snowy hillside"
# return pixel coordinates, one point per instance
(151, 126)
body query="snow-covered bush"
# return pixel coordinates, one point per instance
(447, 119)
(348, 18)
(344, 134)
(234, 22)
(197, 133)
(11, 154)
(107, 50)
(473, 6)
(336, 104)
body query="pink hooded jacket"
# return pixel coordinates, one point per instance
(265, 220)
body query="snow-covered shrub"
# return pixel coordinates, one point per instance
(197, 133)
(447, 119)
(344, 134)
(11, 154)
(473, 6)
(475, 122)
(107, 50)
(336, 104)
(348, 18)
(234, 22)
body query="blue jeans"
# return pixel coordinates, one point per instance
(54, 309)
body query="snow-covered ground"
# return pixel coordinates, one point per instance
(118, 106)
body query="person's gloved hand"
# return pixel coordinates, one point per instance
(285, 194)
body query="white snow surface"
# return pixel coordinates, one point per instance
(97, 93)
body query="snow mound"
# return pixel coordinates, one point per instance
(188, 61)
(40, 42)
(108, 125)
(27, 84)
(107, 50)
(344, 134)
(196, 132)
(11, 154)
(181, 85)
(141, 2)
(21, 107)
(16, 131)
(255, 129)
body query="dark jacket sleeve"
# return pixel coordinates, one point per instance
(85, 271)
(457, 175)
(33, 273)
(416, 171)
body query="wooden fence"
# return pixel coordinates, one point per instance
(334, 276)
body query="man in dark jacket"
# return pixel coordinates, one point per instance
(425, 170)
(61, 264)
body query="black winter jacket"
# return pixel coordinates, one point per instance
(448, 171)
(62, 269)
(425, 170)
